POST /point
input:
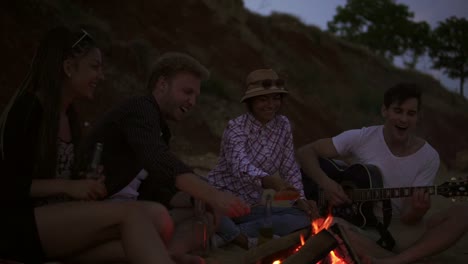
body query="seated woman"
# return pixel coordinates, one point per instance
(256, 146)
(38, 134)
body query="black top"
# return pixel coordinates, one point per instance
(18, 233)
(135, 137)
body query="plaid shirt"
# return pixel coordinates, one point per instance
(251, 151)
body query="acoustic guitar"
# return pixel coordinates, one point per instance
(363, 184)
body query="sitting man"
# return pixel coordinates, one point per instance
(404, 160)
(135, 138)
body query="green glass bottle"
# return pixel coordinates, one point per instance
(265, 232)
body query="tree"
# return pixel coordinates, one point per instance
(449, 48)
(382, 25)
(417, 40)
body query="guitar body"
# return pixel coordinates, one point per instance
(356, 176)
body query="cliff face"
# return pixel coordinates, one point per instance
(334, 85)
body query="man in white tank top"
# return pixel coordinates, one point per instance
(404, 160)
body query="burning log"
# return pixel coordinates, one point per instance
(265, 251)
(345, 245)
(315, 248)
(329, 245)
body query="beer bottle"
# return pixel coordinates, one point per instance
(95, 162)
(265, 233)
(200, 229)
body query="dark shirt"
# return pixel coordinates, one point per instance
(18, 234)
(135, 136)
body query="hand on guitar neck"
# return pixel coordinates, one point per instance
(415, 208)
(420, 200)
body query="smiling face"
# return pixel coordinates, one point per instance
(177, 95)
(400, 119)
(265, 107)
(84, 73)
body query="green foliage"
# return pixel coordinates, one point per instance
(382, 25)
(449, 48)
(418, 39)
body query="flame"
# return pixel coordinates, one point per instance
(334, 259)
(302, 239)
(318, 225)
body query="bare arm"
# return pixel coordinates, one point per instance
(308, 158)
(48, 187)
(276, 183)
(224, 202)
(86, 189)
(415, 207)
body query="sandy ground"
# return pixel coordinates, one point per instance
(458, 253)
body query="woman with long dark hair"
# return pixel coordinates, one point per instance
(38, 134)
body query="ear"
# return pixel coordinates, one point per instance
(68, 67)
(383, 111)
(161, 84)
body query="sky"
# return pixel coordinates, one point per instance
(319, 12)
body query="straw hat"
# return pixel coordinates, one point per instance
(254, 86)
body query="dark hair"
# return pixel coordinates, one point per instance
(401, 92)
(172, 63)
(46, 76)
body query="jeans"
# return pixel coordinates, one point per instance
(285, 221)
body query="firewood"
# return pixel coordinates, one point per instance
(315, 248)
(338, 229)
(257, 254)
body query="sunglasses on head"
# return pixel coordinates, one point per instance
(85, 38)
(268, 83)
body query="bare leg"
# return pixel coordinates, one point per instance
(72, 228)
(443, 231)
(183, 241)
(363, 245)
(111, 252)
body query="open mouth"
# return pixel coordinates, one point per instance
(401, 128)
(183, 109)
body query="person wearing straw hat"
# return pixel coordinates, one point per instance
(256, 148)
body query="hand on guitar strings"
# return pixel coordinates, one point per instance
(335, 193)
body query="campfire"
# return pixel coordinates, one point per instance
(323, 243)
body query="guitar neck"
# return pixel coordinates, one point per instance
(388, 193)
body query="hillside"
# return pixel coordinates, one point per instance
(334, 85)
